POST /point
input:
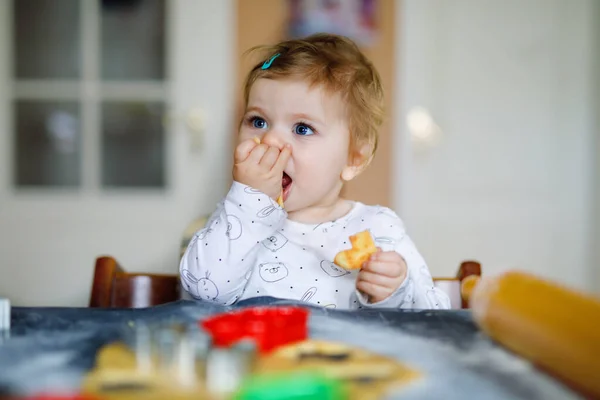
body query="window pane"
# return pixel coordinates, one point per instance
(46, 39)
(133, 144)
(47, 143)
(133, 39)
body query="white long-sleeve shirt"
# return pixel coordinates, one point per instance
(249, 248)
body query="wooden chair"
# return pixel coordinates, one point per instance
(457, 288)
(113, 287)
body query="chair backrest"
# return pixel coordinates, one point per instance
(455, 288)
(450, 286)
(113, 287)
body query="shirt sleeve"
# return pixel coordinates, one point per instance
(218, 261)
(418, 290)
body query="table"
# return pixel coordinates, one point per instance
(53, 348)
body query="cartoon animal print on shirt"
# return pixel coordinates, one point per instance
(385, 240)
(333, 270)
(268, 210)
(309, 294)
(265, 212)
(208, 228)
(273, 272)
(202, 234)
(275, 242)
(251, 190)
(234, 227)
(202, 288)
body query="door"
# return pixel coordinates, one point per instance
(116, 120)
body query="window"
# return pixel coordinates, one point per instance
(90, 92)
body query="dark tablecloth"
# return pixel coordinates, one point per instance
(53, 348)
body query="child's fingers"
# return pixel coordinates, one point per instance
(242, 151)
(375, 278)
(270, 157)
(376, 292)
(388, 256)
(284, 157)
(257, 153)
(388, 269)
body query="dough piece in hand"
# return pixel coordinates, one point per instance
(362, 248)
(280, 198)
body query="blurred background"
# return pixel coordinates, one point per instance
(118, 117)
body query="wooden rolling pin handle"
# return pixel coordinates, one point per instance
(552, 326)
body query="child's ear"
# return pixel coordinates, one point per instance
(358, 160)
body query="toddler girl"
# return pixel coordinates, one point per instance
(313, 109)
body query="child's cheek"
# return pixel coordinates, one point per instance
(243, 135)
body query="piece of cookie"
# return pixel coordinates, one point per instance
(280, 198)
(362, 248)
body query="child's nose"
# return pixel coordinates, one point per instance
(275, 138)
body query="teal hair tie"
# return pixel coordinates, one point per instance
(268, 63)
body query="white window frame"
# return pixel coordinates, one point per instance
(89, 91)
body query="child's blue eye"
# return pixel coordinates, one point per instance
(259, 123)
(303, 130)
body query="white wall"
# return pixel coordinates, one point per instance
(510, 183)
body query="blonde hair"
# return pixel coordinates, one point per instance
(336, 63)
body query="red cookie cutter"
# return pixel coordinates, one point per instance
(269, 327)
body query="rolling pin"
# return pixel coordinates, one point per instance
(280, 198)
(554, 327)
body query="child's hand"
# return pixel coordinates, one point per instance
(381, 275)
(261, 166)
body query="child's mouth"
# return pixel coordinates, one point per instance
(286, 185)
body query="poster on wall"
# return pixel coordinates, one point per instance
(352, 18)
